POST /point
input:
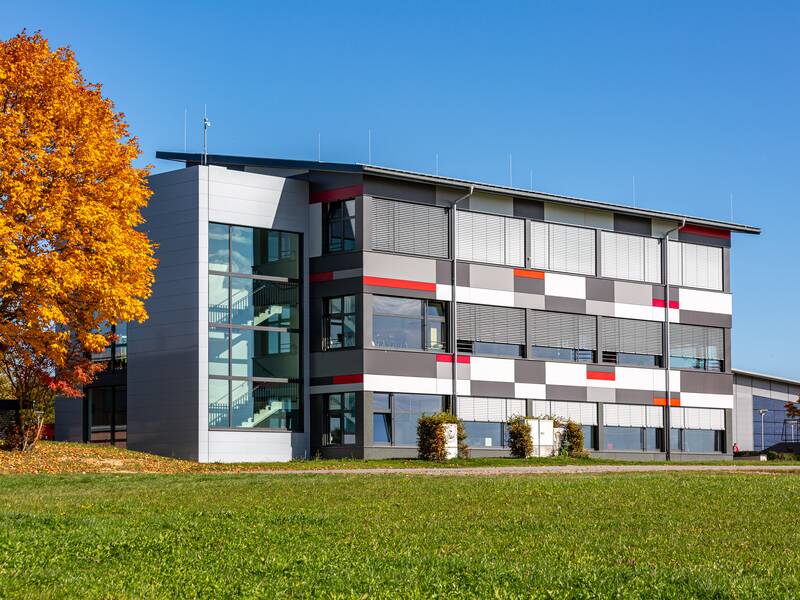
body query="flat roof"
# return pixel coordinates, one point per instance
(281, 163)
(765, 376)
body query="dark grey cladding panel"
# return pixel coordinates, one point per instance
(444, 272)
(601, 290)
(336, 287)
(336, 362)
(493, 389)
(321, 180)
(566, 392)
(526, 285)
(387, 291)
(558, 303)
(705, 240)
(658, 292)
(400, 190)
(634, 397)
(336, 262)
(706, 383)
(530, 209)
(529, 371)
(404, 364)
(601, 368)
(633, 224)
(693, 317)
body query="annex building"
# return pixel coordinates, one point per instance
(306, 308)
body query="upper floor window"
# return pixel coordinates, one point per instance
(340, 220)
(410, 228)
(493, 330)
(695, 265)
(626, 256)
(632, 342)
(491, 238)
(252, 251)
(563, 336)
(339, 323)
(565, 248)
(696, 347)
(408, 323)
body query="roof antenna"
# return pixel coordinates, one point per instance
(185, 126)
(369, 146)
(531, 179)
(319, 147)
(510, 171)
(634, 190)
(731, 207)
(437, 164)
(206, 125)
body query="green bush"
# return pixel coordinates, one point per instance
(772, 455)
(519, 437)
(431, 437)
(572, 441)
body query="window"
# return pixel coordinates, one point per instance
(631, 342)
(408, 323)
(339, 323)
(395, 416)
(485, 419)
(484, 435)
(556, 247)
(254, 328)
(107, 414)
(778, 427)
(626, 256)
(115, 354)
(632, 427)
(695, 265)
(409, 228)
(623, 438)
(491, 238)
(562, 336)
(340, 418)
(697, 429)
(696, 347)
(340, 218)
(493, 330)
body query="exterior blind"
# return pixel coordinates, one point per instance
(624, 415)
(695, 265)
(498, 324)
(697, 418)
(491, 238)
(632, 257)
(631, 336)
(696, 341)
(565, 248)
(563, 330)
(583, 413)
(409, 228)
(497, 410)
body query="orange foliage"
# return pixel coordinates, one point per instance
(71, 258)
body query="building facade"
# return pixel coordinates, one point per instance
(761, 421)
(307, 309)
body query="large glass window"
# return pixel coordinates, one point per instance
(484, 434)
(562, 336)
(108, 413)
(631, 342)
(254, 328)
(340, 418)
(623, 438)
(408, 323)
(395, 416)
(696, 347)
(340, 219)
(339, 323)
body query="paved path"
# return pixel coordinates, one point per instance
(546, 470)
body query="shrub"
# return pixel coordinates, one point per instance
(431, 437)
(572, 441)
(772, 455)
(519, 437)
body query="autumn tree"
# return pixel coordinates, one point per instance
(71, 258)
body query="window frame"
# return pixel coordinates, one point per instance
(328, 316)
(529, 248)
(424, 319)
(340, 414)
(392, 412)
(329, 222)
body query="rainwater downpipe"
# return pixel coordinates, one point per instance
(668, 348)
(454, 282)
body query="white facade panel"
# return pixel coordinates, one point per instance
(566, 286)
(713, 302)
(492, 369)
(707, 400)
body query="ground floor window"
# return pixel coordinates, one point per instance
(485, 434)
(107, 410)
(340, 418)
(697, 440)
(395, 416)
(252, 404)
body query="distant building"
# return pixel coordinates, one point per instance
(306, 308)
(754, 393)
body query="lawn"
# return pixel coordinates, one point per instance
(675, 535)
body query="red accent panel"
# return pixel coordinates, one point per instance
(528, 274)
(317, 277)
(336, 194)
(663, 402)
(448, 358)
(660, 303)
(706, 231)
(601, 375)
(337, 379)
(401, 284)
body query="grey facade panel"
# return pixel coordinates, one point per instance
(569, 393)
(707, 319)
(529, 371)
(632, 224)
(408, 364)
(700, 382)
(527, 285)
(601, 290)
(530, 209)
(558, 303)
(337, 362)
(400, 190)
(634, 397)
(492, 389)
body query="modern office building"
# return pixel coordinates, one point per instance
(760, 418)
(307, 308)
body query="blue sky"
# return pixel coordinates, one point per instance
(697, 101)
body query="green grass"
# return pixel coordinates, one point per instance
(218, 536)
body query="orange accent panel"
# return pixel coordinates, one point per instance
(601, 375)
(528, 274)
(401, 284)
(663, 402)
